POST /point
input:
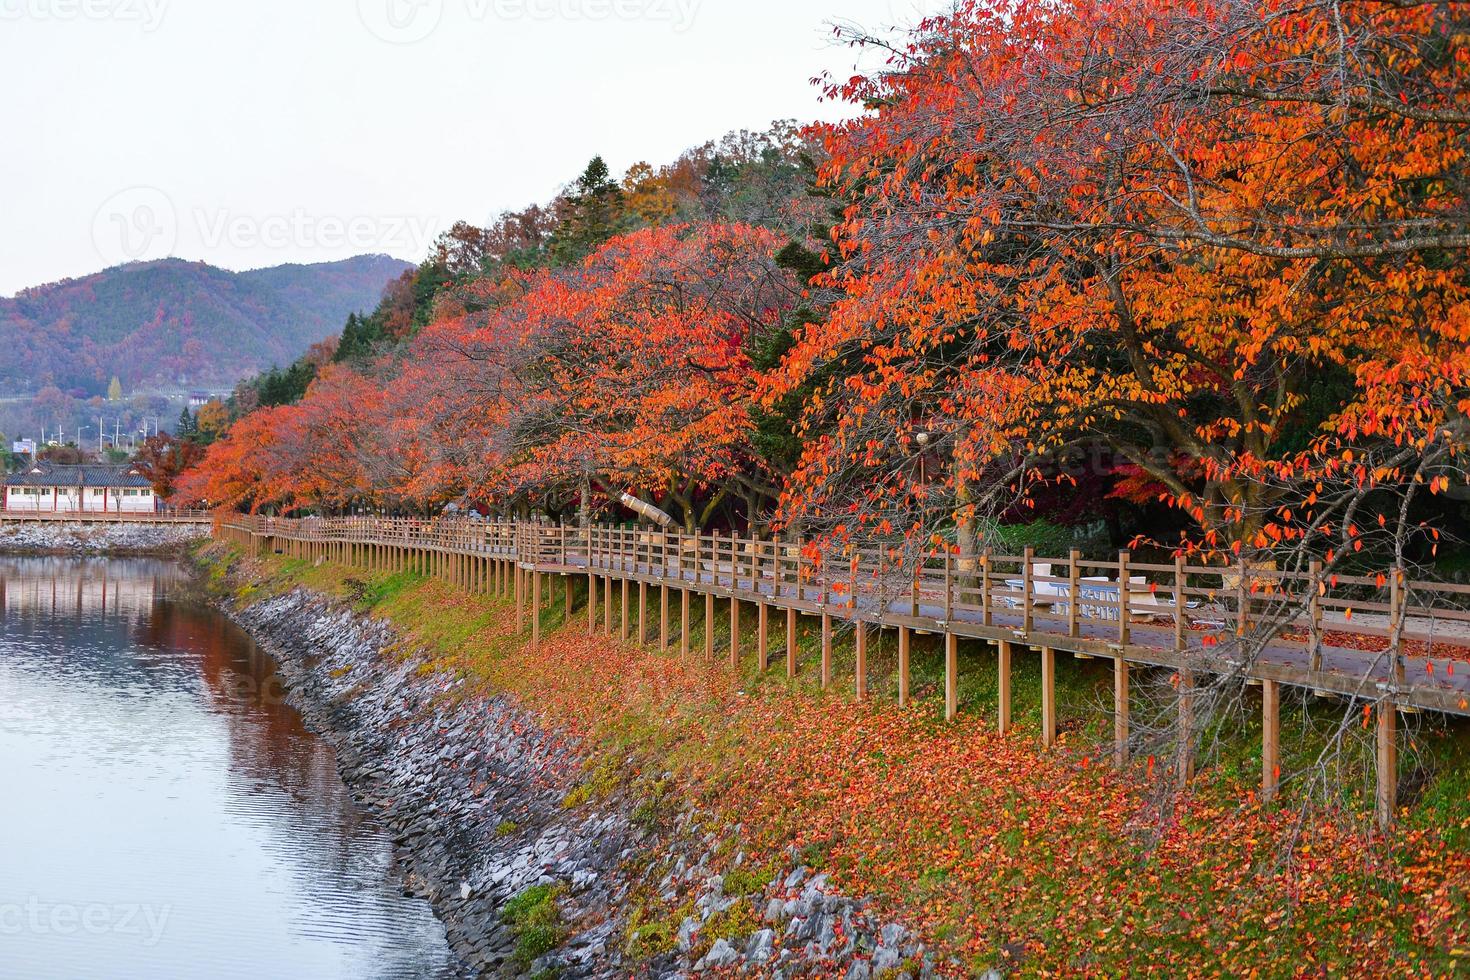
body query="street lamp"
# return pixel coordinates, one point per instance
(922, 439)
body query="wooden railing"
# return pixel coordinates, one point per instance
(1384, 640)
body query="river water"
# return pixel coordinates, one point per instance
(163, 812)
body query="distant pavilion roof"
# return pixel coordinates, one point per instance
(56, 475)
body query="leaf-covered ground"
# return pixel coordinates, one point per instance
(1000, 852)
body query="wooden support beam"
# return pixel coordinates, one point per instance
(520, 600)
(591, 604)
(1270, 740)
(535, 611)
(685, 627)
(1048, 696)
(607, 605)
(623, 619)
(1387, 796)
(663, 619)
(734, 631)
(903, 666)
(566, 598)
(826, 650)
(791, 644)
(763, 637)
(862, 660)
(1004, 722)
(1120, 712)
(951, 676)
(709, 626)
(643, 614)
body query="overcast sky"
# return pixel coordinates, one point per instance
(249, 134)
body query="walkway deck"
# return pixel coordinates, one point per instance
(1394, 644)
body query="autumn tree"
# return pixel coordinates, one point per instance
(1143, 225)
(164, 458)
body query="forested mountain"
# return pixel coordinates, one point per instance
(172, 322)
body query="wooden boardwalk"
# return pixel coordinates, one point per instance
(1391, 643)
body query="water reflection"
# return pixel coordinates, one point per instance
(165, 814)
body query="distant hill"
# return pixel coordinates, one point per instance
(173, 323)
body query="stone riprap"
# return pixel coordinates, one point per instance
(97, 539)
(474, 791)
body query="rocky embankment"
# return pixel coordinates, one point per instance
(531, 874)
(83, 539)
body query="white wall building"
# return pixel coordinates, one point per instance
(46, 487)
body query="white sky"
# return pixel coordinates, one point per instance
(248, 133)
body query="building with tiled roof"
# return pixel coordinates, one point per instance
(56, 488)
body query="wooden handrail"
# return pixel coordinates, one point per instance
(990, 596)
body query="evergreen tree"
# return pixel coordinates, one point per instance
(593, 213)
(187, 427)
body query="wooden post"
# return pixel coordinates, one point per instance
(1181, 582)
(903, 666)
(1005, 686)
(1314, 609)
(1124, 616)
(663, 618)
(520, 601)
(1120, 712)
(987, 606)
(862, 660)
(1048, 696)
(1185, 768)
(734, 627)
(791, 644)
(762, 640)
(642, 614)
(566, 582)
(951, 673)
(1386, 798)
(623, 619)
(826, 649)
(591, 603)
(607, 605)
(1270, 740)
(1073, 587)
(535, 610)
(1027, 588)
(1396, 599)
(709, 626)
(684, 626)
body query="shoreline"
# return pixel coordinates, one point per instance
(490, 812)
(73, 539)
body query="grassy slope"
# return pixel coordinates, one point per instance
(1000, 852)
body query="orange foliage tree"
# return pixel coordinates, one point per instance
(1224, 241)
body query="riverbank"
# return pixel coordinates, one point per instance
(100, 539)
(539, 858)
(998, 853)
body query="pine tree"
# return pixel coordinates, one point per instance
(187, 427)
(593, 213)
